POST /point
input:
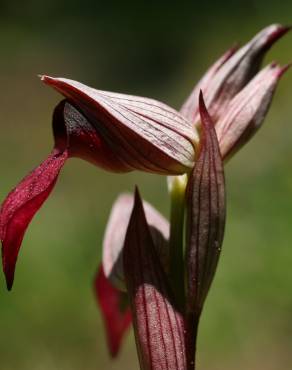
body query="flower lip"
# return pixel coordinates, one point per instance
(20, 206)
(146, 134)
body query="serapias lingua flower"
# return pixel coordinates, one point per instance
(138, 279)
(117, 132)
(122, 133)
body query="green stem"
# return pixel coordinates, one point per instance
(177, 186)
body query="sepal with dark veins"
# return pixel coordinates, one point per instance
(158, 324)
(205, 225)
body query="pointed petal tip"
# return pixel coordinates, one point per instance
(137, 198)
(42, 77)
(283, 69)
(205, 117)
(229, 52)
(233, 49)
(48, 80)
(9, 285)
(275, 35)
(280, 70)
(282, 29)
(202, 105)
(201, 97)
(9, 276)
(8, 270)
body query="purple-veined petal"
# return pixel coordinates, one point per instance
(146, 134)
(205, 225)
(247, 110)
(115, 311)
(190, 108)
(115, 233)
(158, 326)
(230, 74)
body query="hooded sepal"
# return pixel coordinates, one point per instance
(115, 311)
(158, 325)
(205, 225)
(145, 134)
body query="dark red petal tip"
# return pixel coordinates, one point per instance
(284, 69)
(21, 205)
(278, 33)
(205, 117)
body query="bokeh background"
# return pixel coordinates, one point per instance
(159, 49)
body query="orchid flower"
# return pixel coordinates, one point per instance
(147, 273)
(117, 132)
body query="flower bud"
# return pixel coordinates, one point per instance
(247, 110)
(231, 73)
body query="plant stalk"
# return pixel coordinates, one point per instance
(177, 188)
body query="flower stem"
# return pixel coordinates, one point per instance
(177, 187)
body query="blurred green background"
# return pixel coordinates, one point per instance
(159, 49)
